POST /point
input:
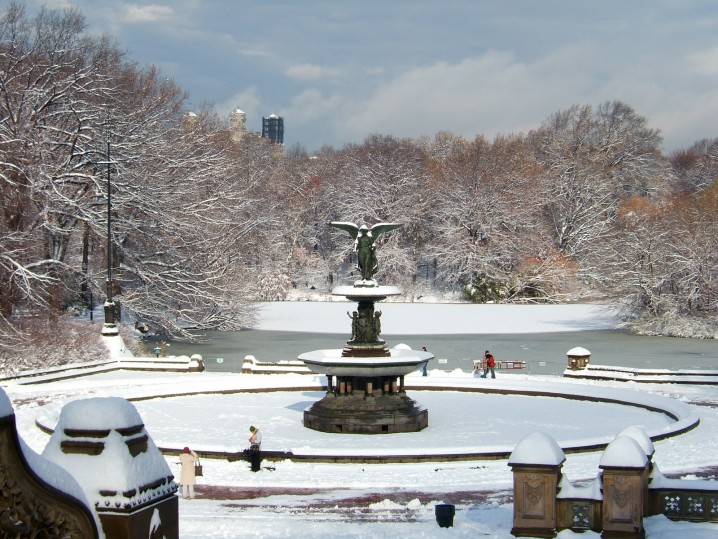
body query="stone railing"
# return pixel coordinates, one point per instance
(252, 366)
(628, 488)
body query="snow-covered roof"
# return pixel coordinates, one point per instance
(623, 452)
(578, 351)
(537, 449)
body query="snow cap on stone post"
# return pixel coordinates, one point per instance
(639, 435)
(623, 452)
(537, 449)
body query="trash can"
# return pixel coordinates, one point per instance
(444, 514)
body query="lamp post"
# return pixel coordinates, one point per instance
(109, 328)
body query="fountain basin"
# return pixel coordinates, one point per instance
(399, 363)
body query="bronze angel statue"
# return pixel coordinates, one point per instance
(364, 238)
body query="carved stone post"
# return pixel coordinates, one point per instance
(536, 464)
(647, 446)
(625, 478)
(103, 443)
(578, 358)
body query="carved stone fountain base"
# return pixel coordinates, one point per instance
(359, 413)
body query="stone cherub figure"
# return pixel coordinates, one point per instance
(364, 238)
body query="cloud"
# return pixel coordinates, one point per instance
(309, 72)
(146, 13)
(498, 93)
(704, 62)
(487, 94)
(311, 105)
(254, 53)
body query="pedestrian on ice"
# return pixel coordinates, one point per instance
(188, 459)
(490, 365)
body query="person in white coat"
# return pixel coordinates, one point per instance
(255, 440)
(188, 459)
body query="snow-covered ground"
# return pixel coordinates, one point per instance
(291, 499)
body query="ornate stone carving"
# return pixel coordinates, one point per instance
(581, 515)
(29, 506)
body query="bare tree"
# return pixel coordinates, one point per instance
(696, 168)
(50, 74)
(180, 208)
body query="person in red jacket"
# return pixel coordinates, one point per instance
(490, 365)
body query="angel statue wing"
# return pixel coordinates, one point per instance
(349, 227)
(380, 228)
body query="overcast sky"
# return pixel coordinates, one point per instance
(339, 70)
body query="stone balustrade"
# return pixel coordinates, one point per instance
(628, 487)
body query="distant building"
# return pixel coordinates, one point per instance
(273, 128)
(189, 121)
(237, 125)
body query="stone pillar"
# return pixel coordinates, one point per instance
(646, 444)
(625, 479)
(401, 384)
(394, 385)
(536, 465)
(330, 384)
(387, 385)
(369, 389)
(342, 387)
(133, 496)
(578, 358)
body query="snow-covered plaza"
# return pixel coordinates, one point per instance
(211, 412)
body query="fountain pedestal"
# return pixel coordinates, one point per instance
(365, 379)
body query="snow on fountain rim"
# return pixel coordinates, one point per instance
(378, 291)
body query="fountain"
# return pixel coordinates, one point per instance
(365, 379)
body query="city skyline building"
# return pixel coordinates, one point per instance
(237, 124)
(273, 128)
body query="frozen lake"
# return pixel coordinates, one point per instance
(511, 332)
